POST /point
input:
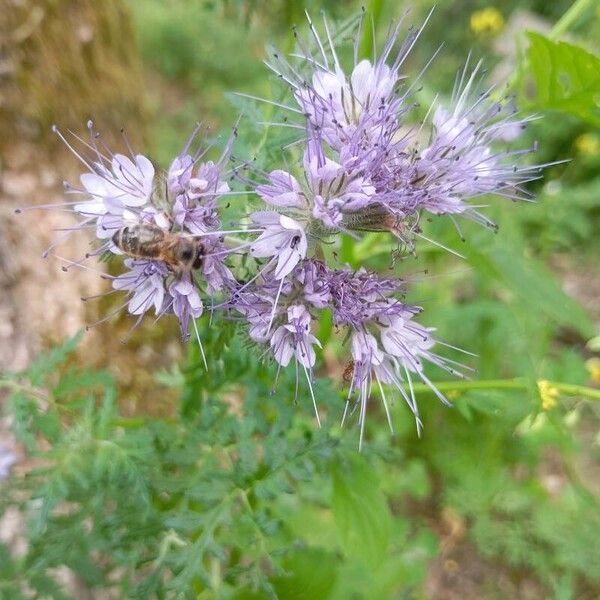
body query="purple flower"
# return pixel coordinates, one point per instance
(186, 302)
(365, 168)
(117, 190)
(113, 187)
(338, 104)
(118, 187)
(336, 190)
(460, 162)
(195, 206)
(283, 238)
(391, 351)
(295, 339)
(7, 460)
(257, 308)
(360, 297)
(312, 278)
(283, 191)
(179, 175)
(184, 202)
(332, 190)
(366, 356)
(387, 346)
(215, 273)
(362, 115)
(277, 319)
(145, 284)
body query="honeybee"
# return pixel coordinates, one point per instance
(178, 251)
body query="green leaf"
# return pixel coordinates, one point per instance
(567, 78)
(48, 362)
(360, 511)
(309, 573)
(535, 286)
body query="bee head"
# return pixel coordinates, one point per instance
(199, 255)
(187, 253)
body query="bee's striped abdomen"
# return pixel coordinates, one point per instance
(139, 241)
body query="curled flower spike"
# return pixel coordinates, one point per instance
(167, 225)
(360, 118)
(460, 162)
(337, 103)
(388, 348)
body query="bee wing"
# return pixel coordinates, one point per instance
(159, 197)
(372, 218)
(106, 256)
(376, 218)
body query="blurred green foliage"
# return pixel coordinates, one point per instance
(238, 494)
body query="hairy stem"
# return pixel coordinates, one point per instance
(568, 389)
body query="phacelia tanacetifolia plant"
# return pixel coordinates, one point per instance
(359, 163)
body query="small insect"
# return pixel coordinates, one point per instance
(377, 218)
(348, 372)
(179, 252)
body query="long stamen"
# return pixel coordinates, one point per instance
(200, 343)
(312, 394)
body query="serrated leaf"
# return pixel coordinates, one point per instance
(48, 362)
(567, 78)
(360, 511)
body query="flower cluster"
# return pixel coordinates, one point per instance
(364, 167)
(387, 345)
(367, 167)
(166, 224)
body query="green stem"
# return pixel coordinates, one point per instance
(573, 14)
(568, 389)
(15, 386)
(571, 389)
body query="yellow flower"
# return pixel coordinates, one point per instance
(593, 366)
(588, 144)
(487, 21)
(548, 394)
